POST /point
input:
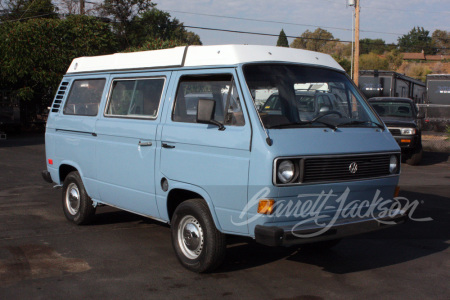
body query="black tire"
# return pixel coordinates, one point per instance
(320, 246)
(415, 157)
(199, 246)
(77, 205)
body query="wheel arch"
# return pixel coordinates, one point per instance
(181, 192)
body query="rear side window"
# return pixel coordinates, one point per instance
(220, 88)
(135, 97)
(84, 97)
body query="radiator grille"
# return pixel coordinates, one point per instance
(338, 168)
(317, 169)
(394, 131)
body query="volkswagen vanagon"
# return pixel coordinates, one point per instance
(123, 131)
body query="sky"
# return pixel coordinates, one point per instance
(385, 19)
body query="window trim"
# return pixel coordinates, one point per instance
(70, 91)
(135, 117)
(232, 82)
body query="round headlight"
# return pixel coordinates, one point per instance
(286, 171)
(393, 164)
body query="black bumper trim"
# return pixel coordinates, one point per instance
(276, 236)
(47, 177)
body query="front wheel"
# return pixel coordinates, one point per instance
(415, 157)
(77, 205)
(199, 246)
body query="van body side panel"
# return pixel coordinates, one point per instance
(217, 161)
(125, 156)
(75, 140)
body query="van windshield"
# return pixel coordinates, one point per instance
(291, 96)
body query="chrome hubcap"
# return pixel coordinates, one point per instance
(190, 237)
(73, 199)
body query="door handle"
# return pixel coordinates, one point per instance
(164, 145)
(143, 144)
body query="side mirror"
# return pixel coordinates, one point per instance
(205, 113)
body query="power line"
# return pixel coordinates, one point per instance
(305, 38)
(277, 22)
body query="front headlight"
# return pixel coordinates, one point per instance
(393, 164)
(286, 171)
(408, 131)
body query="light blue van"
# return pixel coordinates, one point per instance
(178, 135)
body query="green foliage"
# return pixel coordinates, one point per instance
(314, 41)
(345, 63)
(377, 46)
(418, 71)
(34, 54)
(416, 40)
(157, 24)
(441, 41)
(26, 9)
(395, 59)
(123, 12)
(282, 39)
(372, 61)
(156, 44)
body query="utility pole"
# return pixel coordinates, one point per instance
(356, 67)
(82, 7)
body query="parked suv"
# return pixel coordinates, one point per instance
(403, 121)
(175, 135)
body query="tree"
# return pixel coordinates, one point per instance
(156, 44)
(395, 59)
(35, 54)
(377, 46)
(441, 41)
(372, 61)
(122, 13)
(314, 41)
(416, 40)
(157, 24)
(23, 10)
(282, 39)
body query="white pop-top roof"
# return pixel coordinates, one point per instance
(200, 56)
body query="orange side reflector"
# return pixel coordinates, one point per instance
(397, 190)
(50, 161)
(405, 141)
(265, 206)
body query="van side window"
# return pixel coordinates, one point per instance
(220, 88)
(135, 97)
(84, 97)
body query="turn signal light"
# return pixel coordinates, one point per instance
(397, 191)
(405, 141)
(266, 206)
(50, 161)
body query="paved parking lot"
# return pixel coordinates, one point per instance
(124, 256)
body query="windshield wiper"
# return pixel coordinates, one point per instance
(294, 124)
(357, 122)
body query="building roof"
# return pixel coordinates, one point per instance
(419, 55)
(190, 56)
(437, 57)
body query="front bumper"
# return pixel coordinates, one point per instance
(407, 142)
(47, 176)
(279, 236)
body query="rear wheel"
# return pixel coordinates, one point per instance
(77, 205)
(199, 246)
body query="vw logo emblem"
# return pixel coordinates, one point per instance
(353, 167)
